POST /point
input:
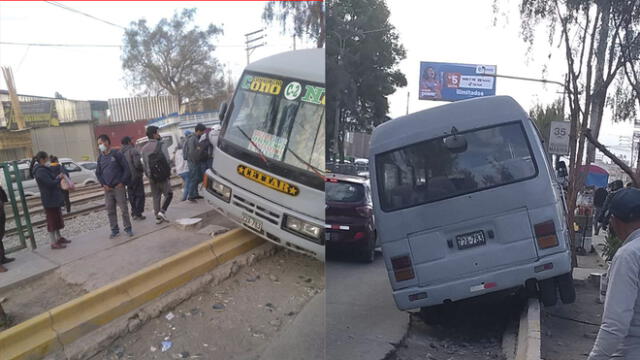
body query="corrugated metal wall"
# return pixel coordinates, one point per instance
(142, 108)
(69, 110)
(75, 140)
(116, 132)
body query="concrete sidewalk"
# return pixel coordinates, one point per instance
(93, 260)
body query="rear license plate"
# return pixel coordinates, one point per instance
(252, 222)
(470, 240)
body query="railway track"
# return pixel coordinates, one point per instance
(43, 222)
(79, 196)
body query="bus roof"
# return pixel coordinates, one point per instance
(436, 121)
(300, 64)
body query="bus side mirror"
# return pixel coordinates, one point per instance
(222, 112)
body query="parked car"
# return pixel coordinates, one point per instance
(349, 216)
(89, 165)
(78, 174)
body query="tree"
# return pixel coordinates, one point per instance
(308, 18)
(363, 51)
(544, 115)
(175, 57)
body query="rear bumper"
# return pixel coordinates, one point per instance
(337, 237)
(464, 288)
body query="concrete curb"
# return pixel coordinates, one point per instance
(529, 342)
(60, 326)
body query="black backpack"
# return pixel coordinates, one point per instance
(159, 169)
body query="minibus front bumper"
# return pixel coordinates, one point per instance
(270, 214)
(486, 283)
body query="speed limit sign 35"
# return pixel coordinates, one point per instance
(559, 137)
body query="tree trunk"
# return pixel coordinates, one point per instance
(599, 95)
(615, 159)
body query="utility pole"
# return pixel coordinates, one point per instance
(408, 97)
(251, 39)
(16, 110)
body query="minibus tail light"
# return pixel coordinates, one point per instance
(402, 268)
(546, 234)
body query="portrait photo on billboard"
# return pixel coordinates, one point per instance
(452, 82)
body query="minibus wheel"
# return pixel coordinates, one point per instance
(567, 290)
(368, 253)
(548, 292)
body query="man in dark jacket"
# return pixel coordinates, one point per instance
(192, 153)
(113, 173)
(158, 188)
(135, 189)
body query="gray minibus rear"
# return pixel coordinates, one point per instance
(466, 204)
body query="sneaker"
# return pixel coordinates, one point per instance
(162, 216)
(129, 232)
(193, 200)
(159, 220)
(64, 241)
(134, 217)
(114, 234)
(198, 197)
(57, 245)
(142, 217)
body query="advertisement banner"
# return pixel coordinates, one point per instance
(453, 82)
(41, 113)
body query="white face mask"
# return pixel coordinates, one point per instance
(102, 147)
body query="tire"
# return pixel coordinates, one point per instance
(368, 253)
(548, 292)
(566, 288)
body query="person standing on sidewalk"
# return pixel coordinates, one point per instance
(113, 173)
(135, 189)
(51, 197)
(156, 165)
(181, 168)
(57, 170)
(619, 335)
(3, 220)
(192, 153)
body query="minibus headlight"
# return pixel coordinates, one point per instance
(218, 189)
(302, 227)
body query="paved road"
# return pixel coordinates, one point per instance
(362, 319)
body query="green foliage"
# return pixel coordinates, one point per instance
(611, 246)
(175, 57)
(544, 115)
(307, 17)
(363, 51)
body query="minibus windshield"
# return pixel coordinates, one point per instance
(279, 120)
(428, 171)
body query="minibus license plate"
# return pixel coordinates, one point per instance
(470, 240)
(252, 222)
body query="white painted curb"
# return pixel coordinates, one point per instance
(529, 343)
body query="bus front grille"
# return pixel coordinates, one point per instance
(256, 209)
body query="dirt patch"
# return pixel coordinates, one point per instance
(569, 331)
(35, 297)
(236, 319)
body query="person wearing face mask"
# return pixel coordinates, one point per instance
(619, 335)
(51, 196)
(114, 174)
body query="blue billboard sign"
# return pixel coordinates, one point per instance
(453, 82)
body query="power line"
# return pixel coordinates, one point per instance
(62, 6)
(57, 45)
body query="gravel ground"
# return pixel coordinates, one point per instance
(473, 331)
(236, 319)
(79, 224)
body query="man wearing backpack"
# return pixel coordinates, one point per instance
(135, 190)
(156, 165)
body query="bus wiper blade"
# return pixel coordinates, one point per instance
(260, 152)
(313, 168)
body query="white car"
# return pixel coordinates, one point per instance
(79, 175)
